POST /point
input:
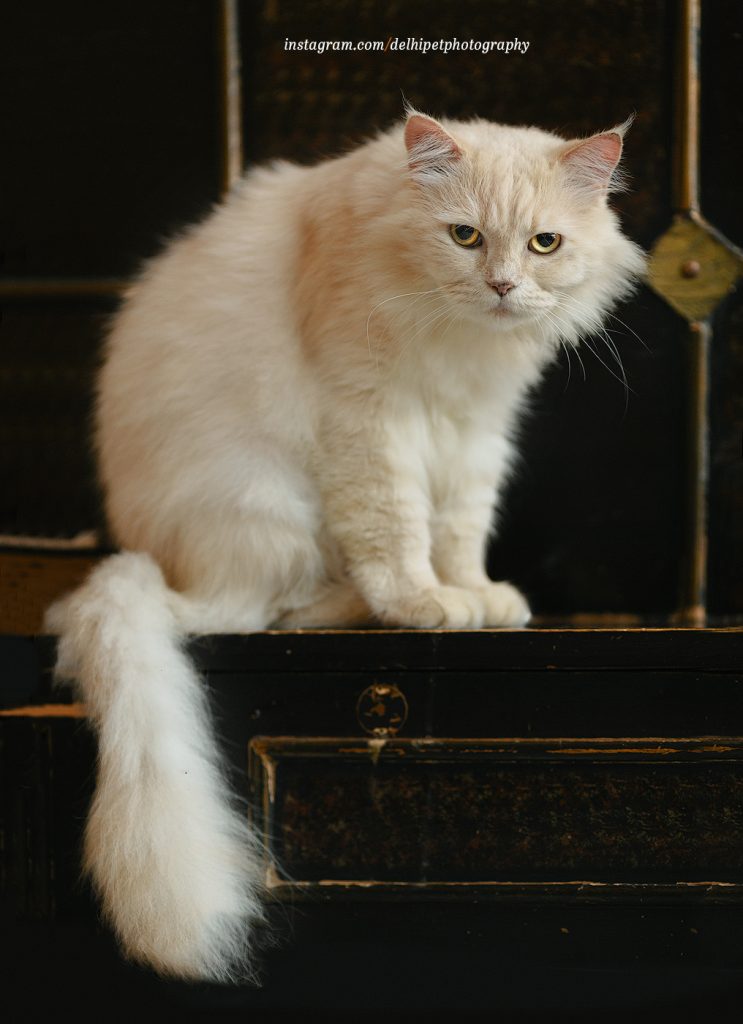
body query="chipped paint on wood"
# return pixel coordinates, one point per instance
(269, 767)
(585, 751)
(570, 892)
(271, 878)
(76, 710)
(376, 746)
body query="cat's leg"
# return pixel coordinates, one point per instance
(238, 569)
(459, 529)
(379, 518)
(337, 605)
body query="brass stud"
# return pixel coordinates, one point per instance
(693, 267)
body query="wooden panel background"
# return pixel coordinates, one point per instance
(597, 519)
(124, 121)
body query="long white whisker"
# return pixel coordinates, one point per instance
(453, 317)
(628, 328)
(600, 332)
(580, 360)
(391, 298)
(614, 375)
(563, 348)
(613, 316)
(554, 323)
(406, 312)
(429, 320)
(402, 295)
(570, 365)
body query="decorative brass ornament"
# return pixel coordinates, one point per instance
(693, 268)
(382, 710)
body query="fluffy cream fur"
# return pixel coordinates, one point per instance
(304, 418)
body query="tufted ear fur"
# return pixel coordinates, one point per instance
(591, 164)
(431, 149)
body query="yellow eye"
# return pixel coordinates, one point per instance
(464, 235)
(545, 242)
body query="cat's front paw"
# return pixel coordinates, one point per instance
(437, 608)
(504, 605)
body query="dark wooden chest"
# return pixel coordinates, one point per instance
(527, 822)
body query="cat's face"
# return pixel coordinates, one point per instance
(515, 226)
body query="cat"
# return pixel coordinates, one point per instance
(304, 417)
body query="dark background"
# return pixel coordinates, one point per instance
(113, 138)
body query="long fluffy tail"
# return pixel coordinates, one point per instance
(171, 856)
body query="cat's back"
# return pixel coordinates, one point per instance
(221, 264)
(221, 307)
(240, 263)
(211, 310)
(202, 358)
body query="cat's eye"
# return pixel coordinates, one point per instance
(545, 242)
(465, 235)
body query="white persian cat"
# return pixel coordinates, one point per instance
(304, 419)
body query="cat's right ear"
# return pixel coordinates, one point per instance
(432, 151)
(591, 164)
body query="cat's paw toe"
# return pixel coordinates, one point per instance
(438, 608)
(504, 605)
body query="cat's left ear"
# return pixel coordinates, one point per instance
(432, 151)
(591, 164)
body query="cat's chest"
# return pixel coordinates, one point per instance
(451, 420)
(447, 403)
(438, 442)
(466, 374)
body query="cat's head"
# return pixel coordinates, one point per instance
(515, 223)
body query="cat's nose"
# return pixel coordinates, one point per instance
(502, 287)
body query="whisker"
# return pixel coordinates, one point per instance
(575, 349)
(606, 366)
(580, 360)
(429, 320)
(453, 317)
(570, 365)
(612, 316)
(628, 328)
(406, 311)
(391, 298)
(402, 295)
(600, 332)
(565, 349)
(432, 319)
